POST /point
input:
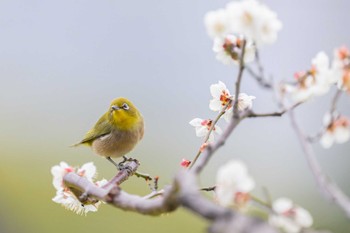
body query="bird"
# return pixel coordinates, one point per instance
(117, 131)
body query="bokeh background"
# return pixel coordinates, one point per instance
(62, 62)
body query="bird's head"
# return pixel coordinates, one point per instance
(123, 114)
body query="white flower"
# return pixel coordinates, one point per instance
(337, 131)
(341, 67)
(314, 82)
(301, 91)
(233, 184)
(229, 48)
(67, 199)
(253, 20)
(323, 75)
(221, 97)
(245, 101)
(289, 217)
(64, 196)
(58, 172)
(202, 128)
(217, 23)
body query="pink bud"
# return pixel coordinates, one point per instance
(185, 163)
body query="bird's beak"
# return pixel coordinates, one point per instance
(114, 108)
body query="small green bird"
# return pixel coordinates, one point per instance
(117, 131)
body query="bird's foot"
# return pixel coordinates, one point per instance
(121, 166)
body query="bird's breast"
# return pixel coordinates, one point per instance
(117, 143)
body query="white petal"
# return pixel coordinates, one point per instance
(218, 130)
(224, 195)
(201, 131)
(327, 140)
(217, 89)
(246, 185)
(249, 54)
(102, 182)
(89, 170)
(341, 134)
(228, 115)
(196, 122)
(218, 45)
(282, 205)
(215, 105)
(216, 23)
(303, 217)
(327, 118)
(321, 61)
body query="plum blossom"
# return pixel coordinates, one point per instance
(65, 196)
(315, 81)
(249, 18)
(202, 128)
(233, 184)
(289, 217)
(337, 130)
(217, 23)
(245, 101)
(229, 49)
(254, 20)
(341, 65)
(221, 97)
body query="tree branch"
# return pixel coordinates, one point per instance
(239, 80)
(273, 114)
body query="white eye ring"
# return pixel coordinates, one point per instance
(125, 106)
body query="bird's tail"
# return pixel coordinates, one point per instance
(76, 144)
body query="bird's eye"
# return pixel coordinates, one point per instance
(125, 106)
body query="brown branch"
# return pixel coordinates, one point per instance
(335, 101)
(239, 80)
(326, 186)
(208, 189)
(277, 114)
(259, 77)
(183, 192)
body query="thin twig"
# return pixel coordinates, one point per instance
(239, 80)
(261, 202)
(278, 114)
(208, 189)
(335, 101)
(145, 176)
(213, 124)
(260, 78)
(211, 148)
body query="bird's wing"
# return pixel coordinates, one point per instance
(101, 128)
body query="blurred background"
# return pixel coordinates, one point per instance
(62, 62)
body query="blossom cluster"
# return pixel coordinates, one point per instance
(233, 184)
(233, 189)
(337, 130)
(289, 217)
(318, 80)
(221, 99)
(65, 196)
(247, 20)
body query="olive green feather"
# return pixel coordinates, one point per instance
(101, 128)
